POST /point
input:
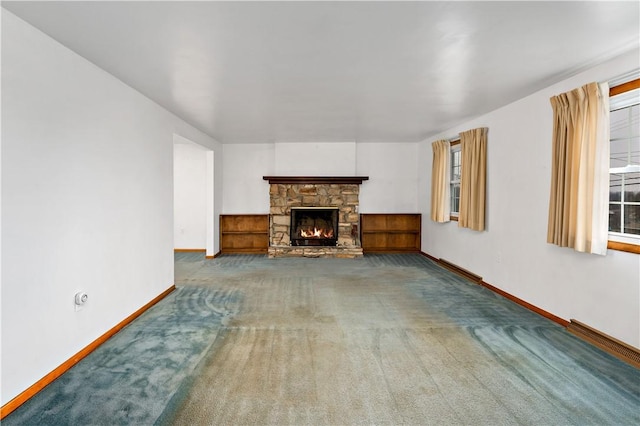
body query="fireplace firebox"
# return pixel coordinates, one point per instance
(314, 226)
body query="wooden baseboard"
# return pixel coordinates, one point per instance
(16, 402)
(214, 256)
(197, 251)
(460, 271)
(390, 250)
(244, 251)
(527, 305)
(611, 345)
(478, 280)
(428, 256)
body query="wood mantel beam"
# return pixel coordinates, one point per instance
(316, 179)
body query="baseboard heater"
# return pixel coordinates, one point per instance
(607, 343)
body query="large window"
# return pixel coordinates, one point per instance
(624, 171)
(456, 171)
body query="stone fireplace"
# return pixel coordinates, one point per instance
(319, 202)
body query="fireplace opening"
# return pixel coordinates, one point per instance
(314, 226)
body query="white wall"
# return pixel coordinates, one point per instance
(189, 195)
(212, 236)
(315, 159)
(392, 169)
(512, 254)
(87, 202)
(393, 177)
(244, 190)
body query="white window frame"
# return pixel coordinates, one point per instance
(455, 150)
(620, 101)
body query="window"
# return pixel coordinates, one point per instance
(624, 166)
(456, 170)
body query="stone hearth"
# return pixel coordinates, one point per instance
(338, 192)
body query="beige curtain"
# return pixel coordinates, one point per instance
(579, 198)
(440, 178)
(473, 147)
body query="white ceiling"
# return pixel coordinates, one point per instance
(337, 71)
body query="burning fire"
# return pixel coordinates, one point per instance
(316, 233)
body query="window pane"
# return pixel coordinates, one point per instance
(634, 119)
(632, 219)
(634, 150)
(619, 153)
(614, 217)
(455, 165)
(631, 187)
(455, 198)
(615, 187)
(619, 121)
(624, 188)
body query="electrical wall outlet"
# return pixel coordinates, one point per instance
(80, 299)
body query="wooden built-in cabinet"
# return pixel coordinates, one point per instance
(390, 232)
(244, 233)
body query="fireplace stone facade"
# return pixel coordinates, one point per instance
(343, 196)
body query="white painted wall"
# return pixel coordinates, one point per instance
(603, 292)
(189, 195)
(393, 177)
(315, 159)
(392, 169)
(212, 235)
(87, 202)
(245, 192)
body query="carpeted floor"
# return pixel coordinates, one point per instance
(387, 339)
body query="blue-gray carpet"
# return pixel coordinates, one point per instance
(386, 339)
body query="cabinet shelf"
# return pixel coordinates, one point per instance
(390, 232)
(244, 233)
